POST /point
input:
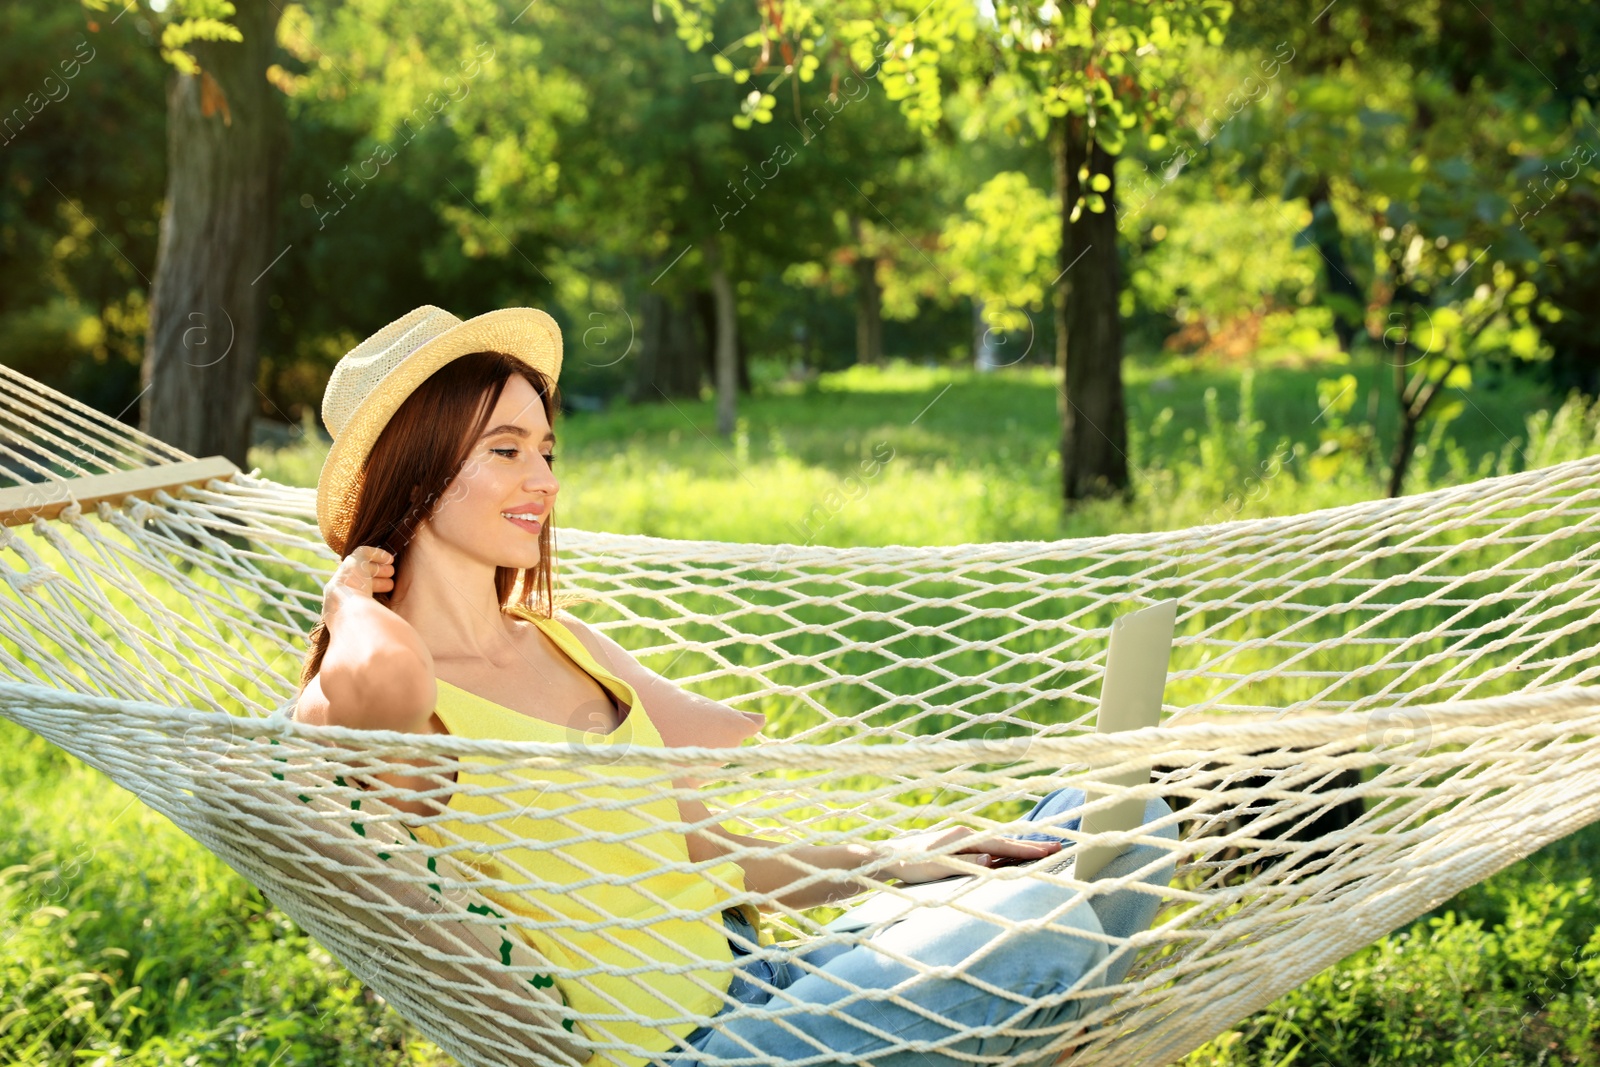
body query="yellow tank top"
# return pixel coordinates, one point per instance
(553, 817)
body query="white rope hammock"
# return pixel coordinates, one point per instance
(1370, 708)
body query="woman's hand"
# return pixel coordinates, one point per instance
(975, 848)
(365, 571)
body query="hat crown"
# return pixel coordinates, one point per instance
(361, 369)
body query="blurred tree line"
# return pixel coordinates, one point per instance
(698, 190)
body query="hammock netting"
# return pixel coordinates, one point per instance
(1370, 708)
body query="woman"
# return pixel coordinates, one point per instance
(438, 493)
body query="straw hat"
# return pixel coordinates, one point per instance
(372, 380)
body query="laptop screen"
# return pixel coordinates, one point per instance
(1130, 699)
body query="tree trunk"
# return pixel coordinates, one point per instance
(1405, 443)
(1088, 323)
(670, 347)
(869, 303)
(982, 339)
(226, 136)
(705, 306)
(808, 338)
(1344, 296)
(743, 363)
(726, 344)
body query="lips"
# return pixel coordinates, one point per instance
(531, 527)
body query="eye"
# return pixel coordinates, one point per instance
(550, 459)
(503, 451)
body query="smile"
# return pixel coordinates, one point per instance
(526, 520)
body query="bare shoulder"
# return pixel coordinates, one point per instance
(386, 703)
(681, 717)
(312, 707)
(610, 655)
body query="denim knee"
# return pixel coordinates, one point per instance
(1126, 911)
(1137, 857)
(1056, 802)
(1072, 799)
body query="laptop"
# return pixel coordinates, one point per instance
(1130, 698)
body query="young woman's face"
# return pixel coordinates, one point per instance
(507, 473)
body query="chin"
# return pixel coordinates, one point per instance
(522, 560)
(517, 557)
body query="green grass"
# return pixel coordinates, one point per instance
(126, 942)
(1507, 972)
(977, 454)
(123, 941)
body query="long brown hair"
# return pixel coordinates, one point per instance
(423, 446)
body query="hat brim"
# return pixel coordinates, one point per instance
(527, 334)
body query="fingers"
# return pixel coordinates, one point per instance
(366, 570)
(972, 841)
(1005, 851)
(1005, 846)
(973, 850)
(383, 572)
(373, 560)
(378, 573)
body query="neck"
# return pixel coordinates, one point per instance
(451, 602)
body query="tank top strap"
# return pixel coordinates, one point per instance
(644, 730)
(562, 635)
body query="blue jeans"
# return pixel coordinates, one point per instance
(1026, 967)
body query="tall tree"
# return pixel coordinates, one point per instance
(226, 137)
(861, 212)
(1080, 75)
(1422, 127)
(869, 299)
(1094, 430)
(662, 186)
(654, 190)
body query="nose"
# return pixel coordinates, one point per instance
(542, 479)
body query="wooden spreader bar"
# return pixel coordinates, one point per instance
(23, 503)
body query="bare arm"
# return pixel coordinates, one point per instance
(682, 717)
(770, 874)
(376, 674)
(841, 866)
